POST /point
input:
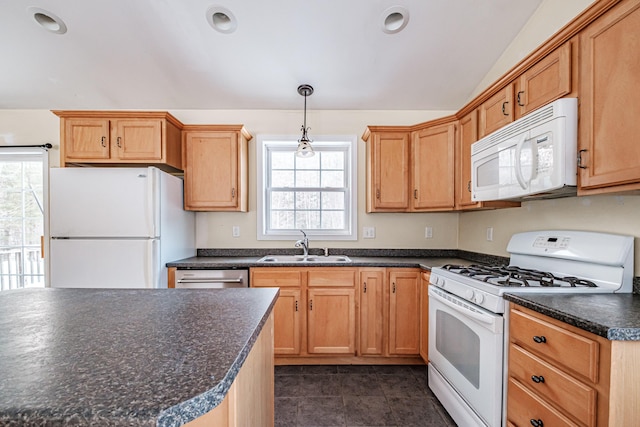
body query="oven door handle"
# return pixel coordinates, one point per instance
(462, 309)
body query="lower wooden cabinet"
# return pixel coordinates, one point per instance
(321, 313)
(424, 315)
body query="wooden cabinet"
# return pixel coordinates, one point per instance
(557, 374)
(372, 286)
(316, 310)
(544, 82)
(215, 160)
(404, 312)
(388, 165)
(331, 325)
(433, 168)
(289, 308)
(424, 315)
(609, 104)
(497, 111)
(112, 138)
(411, 169)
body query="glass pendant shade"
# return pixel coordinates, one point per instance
(304, 143)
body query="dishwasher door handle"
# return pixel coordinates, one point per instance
(210, 280)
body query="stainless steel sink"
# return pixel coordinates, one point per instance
(311, 259)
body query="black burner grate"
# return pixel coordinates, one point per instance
(513, 276)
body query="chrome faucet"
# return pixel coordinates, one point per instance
(304, 243)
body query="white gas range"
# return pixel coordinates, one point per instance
(468, 316)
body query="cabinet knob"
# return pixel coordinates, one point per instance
(415, 194)
(103, 141)
(118, 139)
(504, 108)
(540, 339)
(519, 99)
(394, 287)
(233, 193)
(537, 379)
(469, 186)
(365, 287)
(377, 194)
(311, 304)
(296, 305)
(537, 423)
(580, 165)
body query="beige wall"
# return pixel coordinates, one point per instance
(392, 230)
(31, 127)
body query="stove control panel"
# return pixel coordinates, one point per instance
(551, 242)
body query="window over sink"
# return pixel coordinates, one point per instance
(316, 194)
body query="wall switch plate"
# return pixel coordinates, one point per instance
(428, 232)
(235, 231)
(369, 232)
(489, 234)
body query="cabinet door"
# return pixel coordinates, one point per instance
(389, 172)
(433, 157)
(137, 139)
(404, 312)
(211, 171)
(467, 134)
(609, 103)
(331, 321)
(497, 111)
(286, 334)
(86, 139)
(371, 311)
(424, 316)
(544, 82)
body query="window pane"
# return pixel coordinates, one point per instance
(308, 162)
(282, 179)
(282, 220)
(307, 200)
(282, 200)
(332, 200)
(308, 219)
(10, 231)
(32, 231)
(308, 178)
(282, 159)
(333, 220)
(333, 179)
(333, 160)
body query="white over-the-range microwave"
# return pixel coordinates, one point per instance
(533, 157)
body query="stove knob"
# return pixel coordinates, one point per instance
(469, 294)
(479, 298)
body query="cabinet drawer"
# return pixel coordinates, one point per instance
(342, 277)
(570, 351)
(523, 406)
(275, 277)
(553, 385)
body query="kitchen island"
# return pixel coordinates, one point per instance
(153, 357)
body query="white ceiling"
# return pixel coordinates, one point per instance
(163, 54)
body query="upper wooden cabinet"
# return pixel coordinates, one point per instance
(545, 81)
(497, 111)
(411, 169)
(215, 167)
(388, 163)
(120, 137)
(433, 168)
(609, 103)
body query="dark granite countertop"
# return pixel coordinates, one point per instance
(123, 357)
(613, 316)
(409, 258)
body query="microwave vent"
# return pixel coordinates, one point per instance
(536, 118)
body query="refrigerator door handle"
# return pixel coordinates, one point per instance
(153, 182)
(152, 264)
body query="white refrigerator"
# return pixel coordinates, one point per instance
(116, 227)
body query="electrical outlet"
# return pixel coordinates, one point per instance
(235, 231)
(428, 232)
(489, 234)
(369, 232)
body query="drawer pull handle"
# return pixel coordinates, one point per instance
(537, 379)
(539, 339)
(537, 423)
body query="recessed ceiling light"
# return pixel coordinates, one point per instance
(394, 19)
(48, 20)
(221, 19)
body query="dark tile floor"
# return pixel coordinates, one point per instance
(330, 395)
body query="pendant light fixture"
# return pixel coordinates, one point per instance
(304, 143)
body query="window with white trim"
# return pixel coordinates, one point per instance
(316, 194)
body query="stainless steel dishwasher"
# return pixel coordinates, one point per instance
(212, 279)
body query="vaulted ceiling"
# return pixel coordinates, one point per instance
(165, 54)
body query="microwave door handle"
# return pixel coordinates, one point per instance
(518, 160)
